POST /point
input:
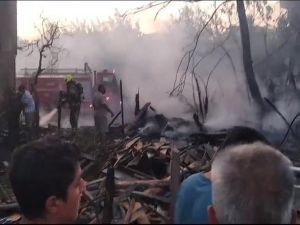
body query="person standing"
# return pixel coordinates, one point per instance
(12, 109)
(28, 108)
(73, 97)
(100, 111)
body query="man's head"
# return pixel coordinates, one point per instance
(46, 178)
(252, 183)
(101, 88)
(68, 78)
(242, 135)
(22, 88)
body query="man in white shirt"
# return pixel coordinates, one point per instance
(28, 106)
(100, 111)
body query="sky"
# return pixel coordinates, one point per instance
(29, 12)
(68, 11)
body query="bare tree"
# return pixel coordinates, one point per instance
(150, 5)
(247, 57)
(45, 45)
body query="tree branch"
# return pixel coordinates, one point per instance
(190, 54)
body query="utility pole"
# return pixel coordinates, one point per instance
(8, 43)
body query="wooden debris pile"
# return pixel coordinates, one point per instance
(7, 198)
(133, 183)
(131, 180)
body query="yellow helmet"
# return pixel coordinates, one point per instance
(68, 78)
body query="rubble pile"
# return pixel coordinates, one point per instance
(137, 173)
(130, 179)
(7, 198)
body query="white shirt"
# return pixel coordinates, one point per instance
(28, 102)
(98, 102)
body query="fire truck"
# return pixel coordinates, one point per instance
(51, 82)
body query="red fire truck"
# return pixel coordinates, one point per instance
(51, 82)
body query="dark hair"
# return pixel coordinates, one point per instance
(41, 169)
(100, 86)
(242, 135)
(21, 87)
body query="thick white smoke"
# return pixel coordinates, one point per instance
(149, 63)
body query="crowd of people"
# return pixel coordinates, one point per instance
(249, 181)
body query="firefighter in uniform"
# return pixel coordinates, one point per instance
(73, 97)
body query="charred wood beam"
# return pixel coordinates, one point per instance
(196, 119)
(175, 179)
(137, 103)
(11, 206)
(114, 119)
(108, 201)
(143, 112)
(122, 107)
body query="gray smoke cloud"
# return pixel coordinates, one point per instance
(149, 63)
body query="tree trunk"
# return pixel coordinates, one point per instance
(37, 105)
(292, 63)
(247, 58)
(290, 75)
(34, 90)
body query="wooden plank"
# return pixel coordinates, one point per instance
(131, 143)
(85, 169)
(87, 156)
(129, 212)
(146, 197)
(108, 201)
(11, 206)
(175, 179)
(148, 183)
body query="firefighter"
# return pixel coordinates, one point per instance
(73, 97)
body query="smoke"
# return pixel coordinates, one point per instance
(149, 63)
(289, 106)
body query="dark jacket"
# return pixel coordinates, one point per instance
(74, 92)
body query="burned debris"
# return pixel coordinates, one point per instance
(134, 173)
(136, 180)
(132, 179)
